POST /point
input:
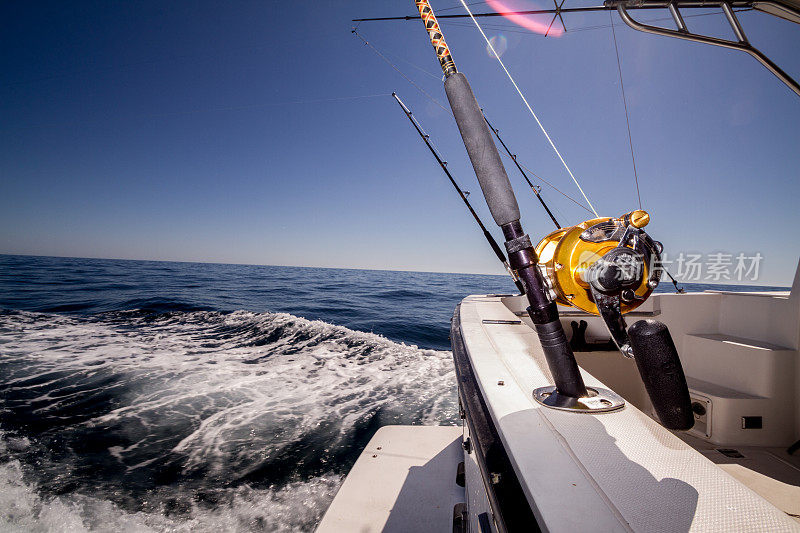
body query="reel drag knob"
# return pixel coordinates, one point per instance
(638, 219)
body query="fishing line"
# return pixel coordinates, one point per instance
(489, 43)
(409, 80)
(437, 77)
(206, 110)
(625, 104)
(513, 157)
(435, 101)
(256, 106)
(538, 177)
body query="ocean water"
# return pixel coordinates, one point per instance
(158, 396)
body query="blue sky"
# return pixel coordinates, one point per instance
(193, 131)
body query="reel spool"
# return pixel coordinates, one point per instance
(601, 256)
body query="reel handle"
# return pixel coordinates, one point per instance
(662, 373)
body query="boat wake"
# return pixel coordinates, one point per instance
(141, 420)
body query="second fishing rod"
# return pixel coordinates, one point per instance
(443, 164)
(503, 205)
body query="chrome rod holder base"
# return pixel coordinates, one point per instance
(599, 400)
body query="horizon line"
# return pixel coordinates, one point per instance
(251, 264)
(787, 287)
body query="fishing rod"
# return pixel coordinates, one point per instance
(514, 159)
(603, 266)
(503, 206)
(493, 243)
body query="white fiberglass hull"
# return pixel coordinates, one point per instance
(530, 467)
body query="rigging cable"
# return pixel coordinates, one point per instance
(435, 101)
(489, 44)
(625, 104)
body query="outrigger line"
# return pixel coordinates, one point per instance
(493, 243)
(514, 159)
(525, 100)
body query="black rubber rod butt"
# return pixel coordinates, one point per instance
(482, 151)
(662, 373)
(560, 359)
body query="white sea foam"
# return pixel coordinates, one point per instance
(227, 396)
(298, 506)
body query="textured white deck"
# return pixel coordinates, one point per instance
(771, 472)
(618, 471)
(403, 481)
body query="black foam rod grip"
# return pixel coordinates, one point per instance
(662, 373)
(482, 151)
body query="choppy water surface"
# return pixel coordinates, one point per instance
(150, 396)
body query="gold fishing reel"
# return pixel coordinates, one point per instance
(601, 257)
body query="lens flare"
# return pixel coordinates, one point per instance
(499, 43)
(526, 21)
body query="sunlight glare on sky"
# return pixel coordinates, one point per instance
(532, 23)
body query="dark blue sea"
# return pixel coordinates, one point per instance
(159, 396)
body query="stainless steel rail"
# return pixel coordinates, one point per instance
(682, 32)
